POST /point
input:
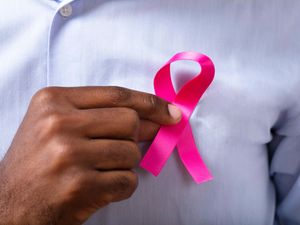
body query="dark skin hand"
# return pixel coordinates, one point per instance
(74, 153)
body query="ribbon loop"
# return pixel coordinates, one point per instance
(180, 134)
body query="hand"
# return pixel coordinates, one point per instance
(74, 153)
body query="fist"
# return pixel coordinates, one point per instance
(74, 153)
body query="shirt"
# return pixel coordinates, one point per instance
(246, 126)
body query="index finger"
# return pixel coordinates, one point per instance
(148, 106)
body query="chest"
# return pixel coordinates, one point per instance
(124, 44)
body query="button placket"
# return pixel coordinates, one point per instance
(64, 9)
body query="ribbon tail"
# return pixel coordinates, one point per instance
(159, 151)
(191, 158)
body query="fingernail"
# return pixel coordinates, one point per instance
(174, 112)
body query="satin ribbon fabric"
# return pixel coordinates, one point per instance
(180, 134)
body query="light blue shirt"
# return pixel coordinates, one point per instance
(247, 125)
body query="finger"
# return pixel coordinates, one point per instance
(98, 189)
(147, 130)
(148, 106)
(110, 186)
(118, 185)
(106, 154)
(109, 123)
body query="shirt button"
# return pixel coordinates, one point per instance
(66, 11)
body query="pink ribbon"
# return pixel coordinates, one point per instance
(180, 134)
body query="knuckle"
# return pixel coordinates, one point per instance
(63, 155)
(126, 184)
(55, 122)
(119, 95)
(46, 95)
(151, 103)
(136, 154)
(133, 121)
(132, 116)
(46, 100)
(125, 153)
(75, 186)
(78, 181)
(133, 183)
(120, 184)
(111, 152)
